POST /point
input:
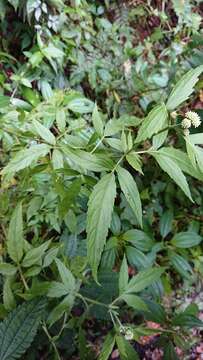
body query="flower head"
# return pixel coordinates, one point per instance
(194, 118)
(186, 123)
(129, 334)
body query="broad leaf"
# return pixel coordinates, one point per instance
(44, 133)
(130, 190)
(169, 352)
(15, 240)
(135, 302)
(154, 122)
(25, 158)
(186, 239)
(143, 279)
(182, 161)
(34, 256)
(7, 269)
(86, 160)
(107, 347)
(18, 330)
(180, 264)
(134, 160)
(100, 208)
(126, 351)
(139, 239)
(123, 276)
(66, 276)
(184, 88)
(173, 170)
(166, 223)
(97, 121)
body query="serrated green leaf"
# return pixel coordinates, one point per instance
(135, 302)
(8, 296)
(25, 158)
(130, 190)
(66, 276)
(18, 330)
(134, 160)
(57, 289)
(107, 347)
(173, 170)
(86, 160)
(187, 320)
(61, 120)
(169, 352)
(80, 105)
(123, 276)
(7, 269)
(57, 159)
(126, 351)
(154, 122)
(100, 208)
(58, 311)
(34, 256)
(182, 161)
(97, 121)
(184, 88)
(44, 133)
(143, 279)
(15, 242)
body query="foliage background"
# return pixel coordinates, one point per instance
(59, 59)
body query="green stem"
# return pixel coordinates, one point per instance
(51, 341)
(119, 161)
(92, 301)
(22, 278)
(97, 145)
(167, 128)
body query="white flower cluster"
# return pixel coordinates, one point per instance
(191, 119)
(127, 332)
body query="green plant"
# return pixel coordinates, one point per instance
(101, 177)
(67, 159)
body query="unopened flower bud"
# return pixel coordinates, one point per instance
(174, 114)
(186, 123)
(129, 334)
(186, 132)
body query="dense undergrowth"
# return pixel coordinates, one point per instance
(101, 177)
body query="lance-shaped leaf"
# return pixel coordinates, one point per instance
(123, 276)
(88, 161)
(107, 347)
(18, 330)
(44, 133)
(100, 208)
(25, 158)
(182, 160)
(143, 279)
(184, 88)
(97, 121)
(130, 190)
(173, 170)
(154, 122)
(15, 235)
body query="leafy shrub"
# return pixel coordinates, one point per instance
(100, 199)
